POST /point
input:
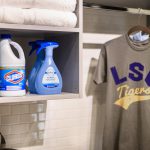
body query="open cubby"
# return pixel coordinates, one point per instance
(66, 58)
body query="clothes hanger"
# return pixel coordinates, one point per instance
(139, 27)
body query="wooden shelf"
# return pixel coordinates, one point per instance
(36, 28)
(34, 97)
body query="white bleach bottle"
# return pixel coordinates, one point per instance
(12, 68)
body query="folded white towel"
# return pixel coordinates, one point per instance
(37, 17)
(16, 3)
(11, 15)
(63, 5)
(54, 18)
(29, 16)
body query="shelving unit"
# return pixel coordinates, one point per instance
(67, 57)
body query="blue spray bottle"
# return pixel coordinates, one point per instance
(47, 79)
(37, 65)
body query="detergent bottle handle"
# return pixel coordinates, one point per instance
(19, 49)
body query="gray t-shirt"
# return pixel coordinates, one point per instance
(125, 66)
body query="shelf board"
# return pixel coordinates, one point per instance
(36, 28)
(34, 97)
(123, 3)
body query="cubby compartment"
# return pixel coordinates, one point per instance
(66, 57)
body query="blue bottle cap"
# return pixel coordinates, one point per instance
(5, 36)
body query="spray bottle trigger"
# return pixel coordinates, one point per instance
(39, 50)
(32, 50)
(34, 47)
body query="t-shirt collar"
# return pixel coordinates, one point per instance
(138, 45)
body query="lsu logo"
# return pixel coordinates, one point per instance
(128, 95)
(14, 76)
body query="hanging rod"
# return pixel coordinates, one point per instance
(138, 11)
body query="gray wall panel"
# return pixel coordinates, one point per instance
(104, 21)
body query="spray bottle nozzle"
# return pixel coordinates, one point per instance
(41, 44)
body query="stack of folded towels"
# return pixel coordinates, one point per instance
(39, 12)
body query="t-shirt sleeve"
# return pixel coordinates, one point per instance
(100, 75)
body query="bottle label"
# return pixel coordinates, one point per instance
(12, 79)
(50, 78)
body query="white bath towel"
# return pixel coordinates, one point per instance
(63, 5)
(16, 3)
(11, 15)
(29, 16)
(54, 18)
(37, 17)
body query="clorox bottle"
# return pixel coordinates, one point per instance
(12, 68)
(45, 77)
